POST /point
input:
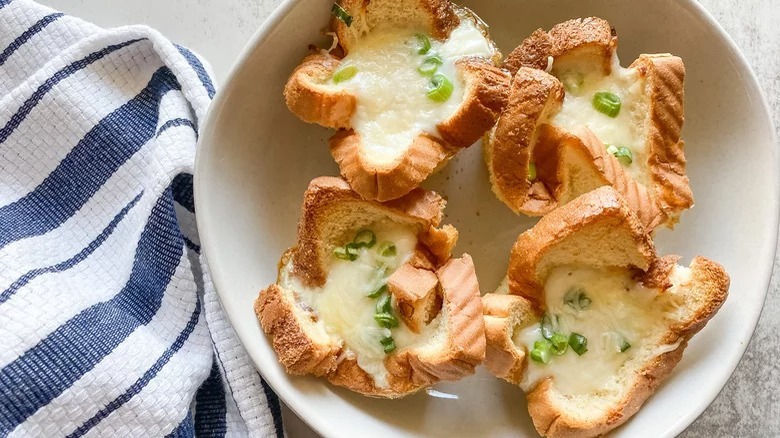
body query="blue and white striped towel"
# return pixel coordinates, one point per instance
(109, 326)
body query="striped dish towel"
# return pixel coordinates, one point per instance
(109, 325)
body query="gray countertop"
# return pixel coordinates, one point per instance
(748, 405)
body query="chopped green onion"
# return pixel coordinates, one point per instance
(378, 291)
(423, 44)
(386, 249)
(341, 14)
(547, 327)
(365, 238)
(559, 343)
(572, 81)
(388, 344)
(607, 103)
(612, 149)
(578, 343)
(441, 88)
(352, 251)
(576, 299)
(541, 351)
(386, 320)
(623, 345)
(531, 172)
(344, 73)
(384, 305)
(430, 65)
(341, 253)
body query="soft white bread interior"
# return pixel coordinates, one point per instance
(586, 271)
(391, 136)
(551, 124)
(321, 315)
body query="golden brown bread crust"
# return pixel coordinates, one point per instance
(485, 93)
(523, 134)
(503, 315)
(603, 208)
(303, 348)
(708, 279)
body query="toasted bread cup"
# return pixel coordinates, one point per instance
(317, 321)
(403, 162)
(587, 277)
(551, 125)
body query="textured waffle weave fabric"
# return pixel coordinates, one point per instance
(109, 325)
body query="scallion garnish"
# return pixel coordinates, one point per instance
(441, 88)
(623, 344)
(430, 65)
(576, 299)
(384, 305)
(541, 352)
(344, 73)
(578, 343)
(341, 14)
(559, 343)
(423, 44)
(365, 238)
(386, 320)
(388, 344)
(547, 327)
(352, 251)
(622, 153)
(341, 253)
(378, 291)
(531, 172)
(607, 103)
(386, 249)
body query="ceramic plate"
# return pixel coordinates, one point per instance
(255, 160)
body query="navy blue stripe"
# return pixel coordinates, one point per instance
(88, 165)
(177, 122)
(29, 33)
(210, 406)
(73, 261)
(182, 191)
(44, 88)
(43, 372)
(199, 69)
(274, 407)
(145, 379)
(4, 3)
(186, 429)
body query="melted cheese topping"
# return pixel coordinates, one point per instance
(623, 130)
(392, 105)
(619, 309)
(347, 314)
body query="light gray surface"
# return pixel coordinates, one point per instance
(218, 29)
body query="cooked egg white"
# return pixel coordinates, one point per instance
(619, 309)
(345, 311)
(392, 103)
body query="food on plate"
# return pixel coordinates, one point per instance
(577, 120)
(590, 320)
(408, 84)
(370, 297)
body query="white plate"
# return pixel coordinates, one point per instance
(255, 160)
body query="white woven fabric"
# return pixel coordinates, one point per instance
(109, 325)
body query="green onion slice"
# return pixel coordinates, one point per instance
(341, 253)
(607, 103)
(341, 14)
(622, 153)
(423, 44)
(352, 251)
(344, 73)
(430, 65)
(388, 344)
(576, 299)
(384, 305)
(386, 320)
(541, 352)
(386, 249)
(365, 238)
(531, 172)
(441, 88)
(378, 291)
(578, 343)
(623, 344)
(559, 343)
(547, 327)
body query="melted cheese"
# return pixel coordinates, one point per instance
(347, 314)
(392, 105)
(623, 130)
(619, 308)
